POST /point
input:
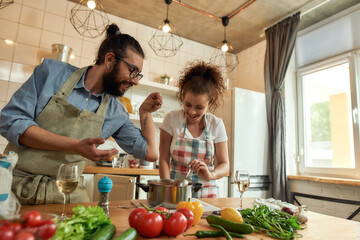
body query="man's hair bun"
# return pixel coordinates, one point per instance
(112, 30)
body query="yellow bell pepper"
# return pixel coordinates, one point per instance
(196, 208)
(231, 214)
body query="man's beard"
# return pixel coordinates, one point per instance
(111, 86)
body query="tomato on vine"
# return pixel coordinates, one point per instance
(150, 225)
(135, 215)
(175, 225)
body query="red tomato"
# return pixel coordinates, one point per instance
(6, 233)
(32, 218)
(4, 222)
(24, 236)
(15, 226)
(150, 225)
(189, 216)
(46, 229)
(175, 225)
(163, 209)
(135, 215)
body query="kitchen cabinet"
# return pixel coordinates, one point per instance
(88, 183)
(123, 187)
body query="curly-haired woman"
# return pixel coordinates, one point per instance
(193, 137)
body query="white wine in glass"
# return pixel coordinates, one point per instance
(242, 183)
(67, 179)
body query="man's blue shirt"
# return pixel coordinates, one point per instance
(32, 97)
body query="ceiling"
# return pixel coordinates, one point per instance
(244, 29)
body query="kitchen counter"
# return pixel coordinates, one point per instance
(120, 171)
(318, 227)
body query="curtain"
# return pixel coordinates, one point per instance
(280, 42)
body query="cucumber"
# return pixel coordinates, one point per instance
(129, 234)
(105, 233)
(229, 225)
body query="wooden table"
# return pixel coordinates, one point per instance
(318, 227)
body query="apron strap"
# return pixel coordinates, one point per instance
(70, 83)
(207, 139)
(103, 106)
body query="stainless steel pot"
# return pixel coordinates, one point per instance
(167, 193)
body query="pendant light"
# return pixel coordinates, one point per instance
(5, 3)
(165, 42)
(89, 19)
(221, 56)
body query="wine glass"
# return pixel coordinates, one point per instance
(67, 179)
(242, 183)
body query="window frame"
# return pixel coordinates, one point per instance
(353, 58)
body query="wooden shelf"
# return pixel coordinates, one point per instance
(157, 87)
(136, 118)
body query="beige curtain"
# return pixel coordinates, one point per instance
(280, 44)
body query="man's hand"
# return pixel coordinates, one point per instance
(87, 148)
(152, 103)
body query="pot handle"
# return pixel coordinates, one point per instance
(197, 186)
(143, 186)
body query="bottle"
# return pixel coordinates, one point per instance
(105, 184)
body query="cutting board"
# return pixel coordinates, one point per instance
(208, 208)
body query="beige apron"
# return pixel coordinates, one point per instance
(35, 172)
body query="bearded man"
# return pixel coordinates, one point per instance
(61, 113)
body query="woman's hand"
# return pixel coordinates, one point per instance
(201, 169)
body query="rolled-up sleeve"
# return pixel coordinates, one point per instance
(131, 140)
(19, 113)
(118, 125)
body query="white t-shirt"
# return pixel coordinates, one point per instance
(173, 121)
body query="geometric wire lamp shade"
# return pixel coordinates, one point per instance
(5, 3)
(89, 20)
(225, 60)
(165, 44)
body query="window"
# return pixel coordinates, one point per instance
(328, 114)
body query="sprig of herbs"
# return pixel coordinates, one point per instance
(275, 223)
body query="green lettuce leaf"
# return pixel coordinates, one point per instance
(83, 223)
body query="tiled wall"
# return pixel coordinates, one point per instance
(327, 190)
(34, 25)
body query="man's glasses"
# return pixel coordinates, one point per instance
(134, 73)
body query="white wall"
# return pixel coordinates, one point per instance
(34, 25)
(250, 71)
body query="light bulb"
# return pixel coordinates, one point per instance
(166, 28)
(224, 47)
(91, 4)
(72, 56)
(9, 42)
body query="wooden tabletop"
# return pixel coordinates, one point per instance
(318, 227)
